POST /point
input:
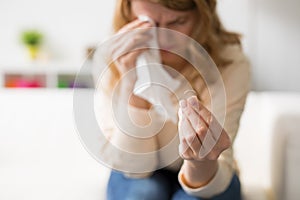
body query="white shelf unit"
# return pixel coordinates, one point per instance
(46, 75)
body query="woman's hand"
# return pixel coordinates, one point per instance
(132, 36)
(124, 52)
(202, 138)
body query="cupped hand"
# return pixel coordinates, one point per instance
(202, 138)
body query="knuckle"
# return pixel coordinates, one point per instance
(202, 132)
(190, 139)
(210, 119)
(198, 127)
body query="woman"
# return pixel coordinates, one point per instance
(210, 176)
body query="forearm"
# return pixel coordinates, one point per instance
(133, 100)
(131, 135)
(134, 121)
(198, 173)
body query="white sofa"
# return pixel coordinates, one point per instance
(41, 156)
(267, 146)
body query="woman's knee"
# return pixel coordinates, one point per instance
(152, 188)
(148, 189)
(182, 195)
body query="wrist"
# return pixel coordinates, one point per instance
(197, 174)
(138, 102)
(193, 164)
(128, 97)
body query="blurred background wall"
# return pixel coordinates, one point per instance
(271, 30)
(69, 26)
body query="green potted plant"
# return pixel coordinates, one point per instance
(32, 39)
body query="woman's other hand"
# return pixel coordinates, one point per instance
(202, 138)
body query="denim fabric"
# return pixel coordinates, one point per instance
(162, 185)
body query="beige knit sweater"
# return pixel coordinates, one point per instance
(121, 147)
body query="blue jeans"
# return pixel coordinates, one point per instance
(162, 185)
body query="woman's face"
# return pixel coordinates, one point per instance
(181, 21)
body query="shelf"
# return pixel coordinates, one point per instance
(24, 81)
(68, 81)
(45, 75)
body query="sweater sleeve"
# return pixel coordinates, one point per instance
(236, 79)
(128, 142)
(126, 137)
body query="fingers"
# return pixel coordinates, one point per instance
(134, 30)
(212, 135)
(133, 25)
(197, 122)
(199, 128)
(127, 42)
(211, 122)
(192, 122)
(200, 109)
(188, 136)
(127, 60)
(185, 151)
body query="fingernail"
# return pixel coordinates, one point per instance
(182, 103)
(193, 100)
(194, 103)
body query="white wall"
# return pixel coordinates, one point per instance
(69, 26)
(277, 45)
(271, 30)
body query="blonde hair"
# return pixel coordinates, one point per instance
(210, 32)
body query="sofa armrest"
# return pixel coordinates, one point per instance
(285, 157)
